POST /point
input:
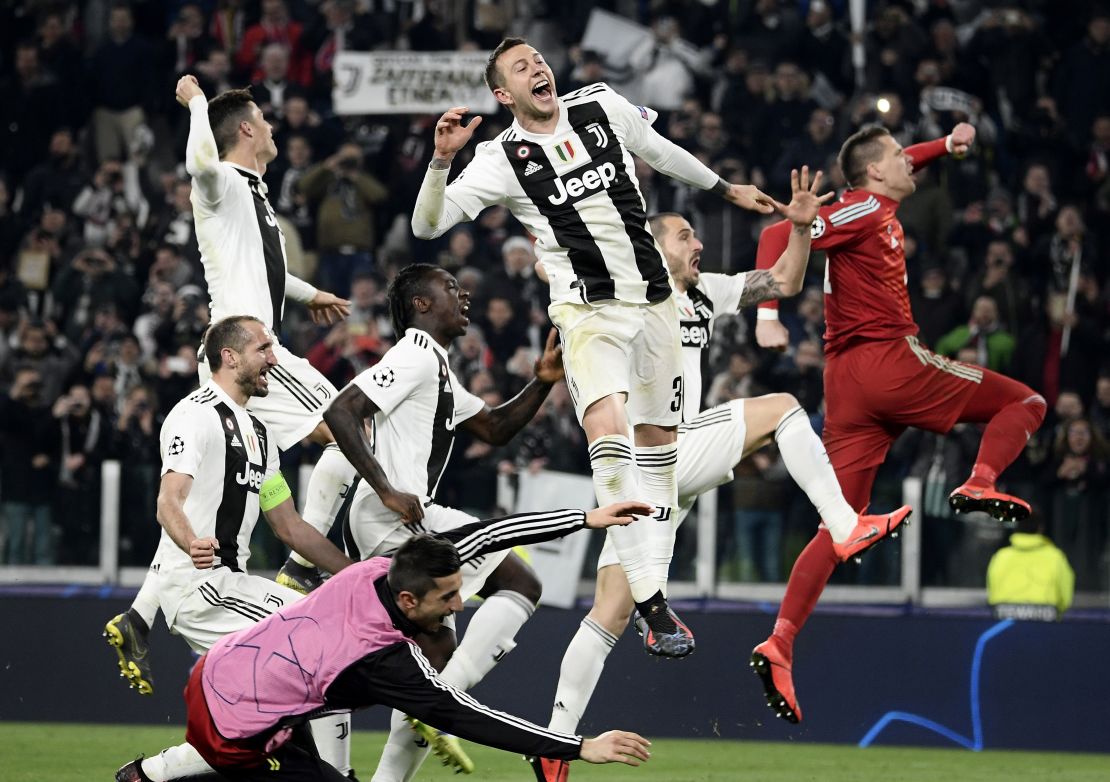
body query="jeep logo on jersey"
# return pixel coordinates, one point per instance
(576, 187)
(694, 336)
(251, 477)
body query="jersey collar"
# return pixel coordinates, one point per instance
(214, 386)
(542, 137)
(389, 602)
(435, 345)
(252, 175)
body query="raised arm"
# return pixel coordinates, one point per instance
(347, 418)
(488, 535)
(202, 159)
(668, 158)
(785, 277)
(434, 214)
(957, 143)
(500, 424)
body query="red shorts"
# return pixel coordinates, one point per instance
(875, 390)
(201, 732)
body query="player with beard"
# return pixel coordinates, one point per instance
(714, 441)
(219, 469)
(564, 168)
(879, 379)
(242, 250)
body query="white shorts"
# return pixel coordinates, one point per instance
(298, 397)
(708, 448)
(224, 602)
(617, 348)
(378, 532)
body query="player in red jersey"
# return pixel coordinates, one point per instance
(879, 379)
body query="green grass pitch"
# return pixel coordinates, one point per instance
(31, 752)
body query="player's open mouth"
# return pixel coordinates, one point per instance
(695, 262)
(542, 90)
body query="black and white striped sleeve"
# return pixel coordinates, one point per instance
(400, 676)
(482, 537)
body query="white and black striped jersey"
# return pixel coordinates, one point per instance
(420, 402)
(242, 247)
(229, 454)
(576, 191)
(714, 295)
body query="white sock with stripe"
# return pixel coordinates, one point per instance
(659, 486)
(806, 460)
(579, 673)
(330, 479)
(614, 477)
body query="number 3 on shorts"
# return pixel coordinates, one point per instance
(676, 403)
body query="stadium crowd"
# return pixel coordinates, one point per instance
(103, 302)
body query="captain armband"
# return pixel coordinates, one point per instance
(273, 492)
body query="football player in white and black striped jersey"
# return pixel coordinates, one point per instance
(565, 170)
(712, 442)
(243, 252)
(219, 471)
(415, 404)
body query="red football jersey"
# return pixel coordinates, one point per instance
(866, 296)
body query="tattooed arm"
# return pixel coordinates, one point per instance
(785, 277)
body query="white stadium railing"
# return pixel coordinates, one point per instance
(550, 490)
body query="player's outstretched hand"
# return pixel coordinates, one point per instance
(203, 552)
(750, 197)
(187, 89)
(451, 135)
(408, 505)
(772, 335)
(618, 514)
(804, 201)
(962, 137)
(549, 366)
(616, 746)
(328, 308)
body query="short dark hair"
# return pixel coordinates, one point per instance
(419, 562)
(861, 149)
(493, 76)
(225, 112)
(657, 220)
(227, 333)
(409, 283)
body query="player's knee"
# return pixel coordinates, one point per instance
(1038, 406)
(784, 403)
(612, 617)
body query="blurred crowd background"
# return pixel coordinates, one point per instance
(103, 301)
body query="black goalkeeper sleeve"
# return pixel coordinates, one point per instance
(482, 537)
(401, 677)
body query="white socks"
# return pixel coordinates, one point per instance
(808, 464)
(659, 486)
(614, 477)
(327, 487)
(489, 637)
(146, 602)
(175, 762)
(582, 664)
(332, 735)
